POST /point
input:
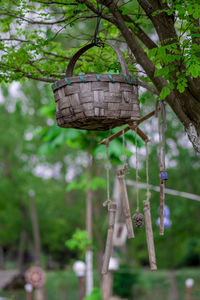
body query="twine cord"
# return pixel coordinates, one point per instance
(163, 128)
(160, 142)
(124, 155)
(161, 131)
(137, 177)
(108, 173)
(147, 171)
(99, 17)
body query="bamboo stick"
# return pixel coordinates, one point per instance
(125, 203)
(120, 132)
(143, 136)
(162, 204)
(112, 208)
(149, 235)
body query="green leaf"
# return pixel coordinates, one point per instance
(180, 88)
(164, 93)
(196, 14)
(79, 241)
(152, 53)
(194, 70)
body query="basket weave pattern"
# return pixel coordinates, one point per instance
(96, 105)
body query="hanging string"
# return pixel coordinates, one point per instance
(108, 173)
(160, 142)
(99, 17)
(161, 114)
(163, 129)
(125, 165)
(138, 218)
(147, 171)
(124, 156)
(108, 176)
(137, 177)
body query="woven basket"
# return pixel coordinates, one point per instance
(96, 102)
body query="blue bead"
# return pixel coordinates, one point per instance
(163, 176)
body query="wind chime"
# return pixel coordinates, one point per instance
(102, 102)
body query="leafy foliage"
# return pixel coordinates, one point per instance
(95, 295)
(79, 242)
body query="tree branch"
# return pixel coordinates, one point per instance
(37, 22)
(56, 2)
(148, 87)
(163, 23)
(135, 47)
(27, 75)
(139, 32)
(15, 39)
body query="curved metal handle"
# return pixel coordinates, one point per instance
(71, 65)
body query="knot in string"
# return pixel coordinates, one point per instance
(107, 202)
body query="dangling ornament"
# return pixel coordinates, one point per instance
(112, 208)
(125, 202)
(124, 195)
(148, 223)
(138, 217)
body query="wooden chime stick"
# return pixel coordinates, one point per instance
(120, 132)
(149, 235)
(148, 223)
(125, 202)
(112, 208)
(162, 204)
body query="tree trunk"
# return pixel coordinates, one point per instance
(107, 285)
(64, 293)
(174, 294)
(1, 258)
(39, 294)
(20, 259)
(89, 253)
(35, 228)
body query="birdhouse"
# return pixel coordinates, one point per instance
(96, 101)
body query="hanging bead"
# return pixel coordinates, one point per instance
(163, 175)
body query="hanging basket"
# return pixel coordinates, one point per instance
(96, 102)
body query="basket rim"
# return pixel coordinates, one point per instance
(86, 78)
